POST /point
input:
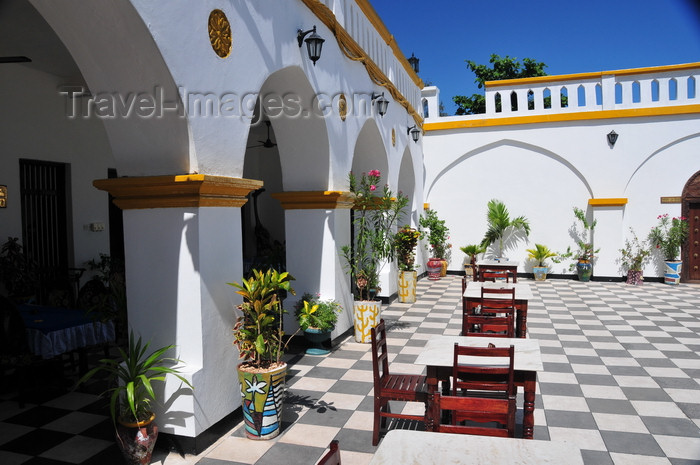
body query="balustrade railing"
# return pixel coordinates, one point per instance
(609, 90)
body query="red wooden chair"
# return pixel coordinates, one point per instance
(332, 457)
(392, 386)
(495, 316)
(483, 394)
(488, 274)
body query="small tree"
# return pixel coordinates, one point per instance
(503, 68)
(499, 223)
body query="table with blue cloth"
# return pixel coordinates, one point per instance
(53, 331)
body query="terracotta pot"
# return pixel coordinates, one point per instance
(136, 440)
(262, 394)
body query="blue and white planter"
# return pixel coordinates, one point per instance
(672, 273)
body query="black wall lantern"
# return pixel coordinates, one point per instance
(414, 132)
(413, 61)
(612, 138)
(381, 102)
(314, 43)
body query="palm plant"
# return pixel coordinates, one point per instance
(472, 250)
(540, 253)
(499, 223)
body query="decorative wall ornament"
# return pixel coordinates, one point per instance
(220, 33)
(342, 107)
(393, 137)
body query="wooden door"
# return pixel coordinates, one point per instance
(693, 254)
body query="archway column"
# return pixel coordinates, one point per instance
(317, 225)
(182, 245)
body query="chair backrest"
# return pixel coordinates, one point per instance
(483, 392)
(332, 457)
(497, 300)
(483, 372)
(13, 336)
(380, 355)
(488, 274)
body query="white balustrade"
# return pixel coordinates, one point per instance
(666, 86)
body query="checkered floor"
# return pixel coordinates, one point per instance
(621, 382)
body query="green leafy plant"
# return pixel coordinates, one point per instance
(540, 254)
(18, 273)
(311, 312)
(258, 331)
(668, 235)
(583, 235)
(376, 212)
(437, 234)
(405, 241)
(132, 376)
(499, 223)
(472, 250)
(635, 253)
(111, 303)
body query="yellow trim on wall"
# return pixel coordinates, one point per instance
(178, 191)
(592, 75)
(619, 202)
(559, 117)
(353, 51)
(314, 200)
(426, 206)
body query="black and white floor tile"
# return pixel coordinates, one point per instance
(621, 382)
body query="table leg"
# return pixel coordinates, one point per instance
(432, 382)
(529, 405)
(521, 319)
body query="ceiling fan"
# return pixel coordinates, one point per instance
(267, 143)
(17, 59)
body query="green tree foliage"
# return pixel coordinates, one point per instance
(502, 68)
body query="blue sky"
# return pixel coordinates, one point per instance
(569, 37)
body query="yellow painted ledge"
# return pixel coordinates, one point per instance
(178, 191)
(607, 202)
(558, 117)
(314, 200)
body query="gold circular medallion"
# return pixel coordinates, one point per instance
(393, 137)
(342, 107)
(220, 33)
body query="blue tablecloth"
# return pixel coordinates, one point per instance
(52, 331)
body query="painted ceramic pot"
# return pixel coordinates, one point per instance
(366, 316)
(407, 286)
(672, 274)
(262, 395)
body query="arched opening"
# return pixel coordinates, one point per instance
(547, 95)
(672, 89)
(564, 97)
(581, 96)
(636, 92)
(530, 100)
(654, 90)
(618, 93)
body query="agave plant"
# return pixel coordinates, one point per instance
(499, 223)
(132, 375)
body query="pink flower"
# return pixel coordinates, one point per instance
(372, 187)
(374, 173)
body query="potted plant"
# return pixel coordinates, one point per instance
(376, 212)
(405, 242)
(437, 235)
(259, 336)
(317, 318)
(499, 224)
(633, 256)
(132, 376)
(472, 250)
(584, 241)
(540, 254)
(18, 273)
(667, 237)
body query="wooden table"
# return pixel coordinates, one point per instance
(437, 356)
(472, 298)
(499, 265)
(407, 447)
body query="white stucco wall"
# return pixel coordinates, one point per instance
(543, 170)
